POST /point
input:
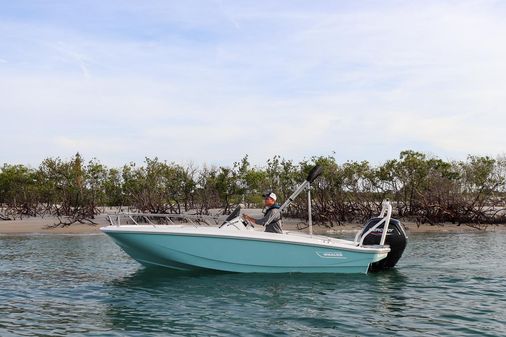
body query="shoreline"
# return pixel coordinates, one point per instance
(38, 225)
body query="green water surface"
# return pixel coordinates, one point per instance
(59, 285)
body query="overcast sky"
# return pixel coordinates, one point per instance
(211, 81)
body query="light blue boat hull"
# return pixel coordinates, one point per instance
(193, 252)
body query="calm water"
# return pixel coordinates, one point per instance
(446, 285)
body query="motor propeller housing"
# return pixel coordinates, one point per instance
(396, 238)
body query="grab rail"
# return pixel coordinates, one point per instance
(386, 213)
(194, 219)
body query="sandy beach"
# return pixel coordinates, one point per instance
(37, 225)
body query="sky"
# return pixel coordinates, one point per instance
(211, 81)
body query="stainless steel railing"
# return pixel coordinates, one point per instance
(158, 219)
(386, 214)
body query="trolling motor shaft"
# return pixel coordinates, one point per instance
(313, 174)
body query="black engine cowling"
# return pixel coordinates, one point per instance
(396, 238)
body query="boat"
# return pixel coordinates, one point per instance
(239, 246)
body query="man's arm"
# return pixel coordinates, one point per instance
(273, 215)
(250, 218)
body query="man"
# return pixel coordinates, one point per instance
(272, 215)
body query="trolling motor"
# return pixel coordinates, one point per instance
(233, 220)
(313, 174)
(374, 233)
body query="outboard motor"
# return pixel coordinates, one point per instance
(396, 238)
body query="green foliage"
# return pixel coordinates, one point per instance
(421, 187)
(72, 189)
(156, 187)
(19, 189)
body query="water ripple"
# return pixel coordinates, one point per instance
(446, 285)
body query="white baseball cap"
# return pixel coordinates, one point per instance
(270, 195)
